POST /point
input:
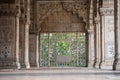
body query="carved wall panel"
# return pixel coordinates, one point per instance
(7, 41)
(32, 49)
(5, 52)
(7, 9)
(109, 37)
(6, 31)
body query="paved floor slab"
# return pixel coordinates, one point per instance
(59, 74)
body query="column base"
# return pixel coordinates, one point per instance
(97, 64)
(91, 64)
(118, 65)
(27, 65)
(107, 65)
(38, 66)
(18, 65)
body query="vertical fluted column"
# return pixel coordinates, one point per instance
(116, 64)
(98, 44)
(27, 26)
(102, 32)
(91, 37)
(98, 38)
(91, 48)
(17, 16)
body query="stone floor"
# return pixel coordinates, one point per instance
(59, 74)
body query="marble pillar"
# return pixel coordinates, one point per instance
(91, 37)
(37, 51)
(27, 26)
(97, 38)
(17, 33)
(102, 41)
(98, 45)
(91, 49)
(116, 64)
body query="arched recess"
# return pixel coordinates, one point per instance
(59, 18)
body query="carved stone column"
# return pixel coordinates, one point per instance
(91, 48)
(27, 26)
(37, 50)
(98, 44)
(102, 22)
(17, 32)
(97, 38)
(116, 65)
(91, 37)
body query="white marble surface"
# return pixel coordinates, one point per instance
(64, 74)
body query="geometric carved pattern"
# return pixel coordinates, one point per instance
(5, 52)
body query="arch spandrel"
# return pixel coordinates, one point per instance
(44, 9)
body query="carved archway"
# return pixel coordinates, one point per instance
(70, 16)
(44, 9)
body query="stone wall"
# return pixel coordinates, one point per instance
(7, 40)
(32, 50)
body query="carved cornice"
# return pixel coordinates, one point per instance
(106, 11)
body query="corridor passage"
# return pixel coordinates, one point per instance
(59, 74)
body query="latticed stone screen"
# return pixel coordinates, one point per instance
(63, 49)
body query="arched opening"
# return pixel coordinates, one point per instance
(63, 40)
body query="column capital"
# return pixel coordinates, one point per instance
(97, 20)
(17, 8)
(107, 11)
(90, 31)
